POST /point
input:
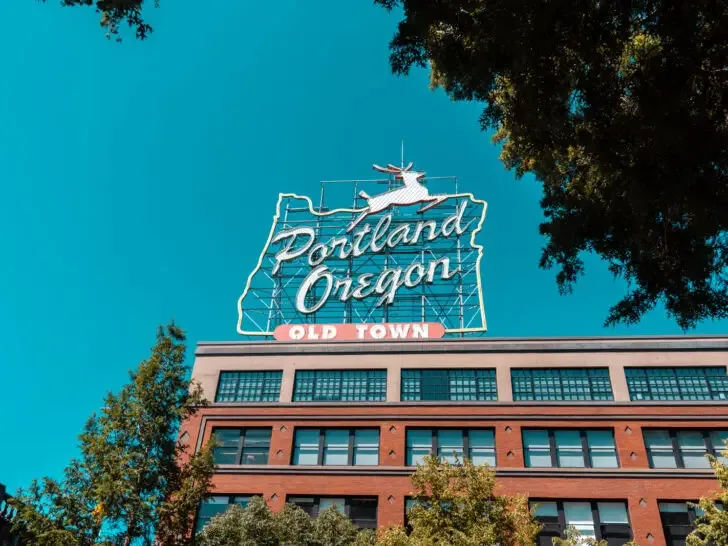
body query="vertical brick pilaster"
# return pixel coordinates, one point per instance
(394, 383)
(630, 446)
(281, 444)
(390, 513)
(188, 433)
(287, 380)
(508, 446)
(503, 382)
(646, 521)
(392, 441)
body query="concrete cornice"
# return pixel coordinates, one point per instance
(672, 474)
(632, 406)
(470, 345)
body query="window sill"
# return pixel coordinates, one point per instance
(525, 473)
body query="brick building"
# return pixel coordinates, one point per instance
(6, 515)
(607, 434)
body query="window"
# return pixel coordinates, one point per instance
(678, 519)
(217, 504)
(336, 446)
(478, 445)
(241, 446)
(593, 519)
(249, 387)
(341, 386)
(561, 384)
(453, 385)
(569, 448)
(683, 448)
(362, 511)
(707, 383)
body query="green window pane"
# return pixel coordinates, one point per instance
(306, 448)
(537, 449)
(338, 503)
(545, 509)
(659, 449)
(226, 451)
(719, 438)
(482, 447)
(613, 512)
(419, 445)
(692, 448)
(569, 452)
(256, 444)
(336, 447)
(211, 507)
(449, 384)
(450, 445)
(579, 514)
(571, 384)
(684, 383)
(602, 451)
(249, 387)
(366, 447)
(340, 386)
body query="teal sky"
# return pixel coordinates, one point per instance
(139, 179)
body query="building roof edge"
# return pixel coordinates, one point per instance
(480, 344)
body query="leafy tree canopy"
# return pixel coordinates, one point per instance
(133, 478)
(115, 13)
(457, 505)
(620, 110)
(257, 525)
(574, 538)
(712, 527)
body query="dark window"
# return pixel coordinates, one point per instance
(249, 387)
(217, 504)
(569, 448)
(606, 520)
(678, 520)
(341, 386)
(241, 446)
(683, 448)
(561, 384)
(454, 385)
(451, 444)
(336, 446)
(362, 511)
(706, 383)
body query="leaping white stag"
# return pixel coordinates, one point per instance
(412, 193)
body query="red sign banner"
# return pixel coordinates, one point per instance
(359, 332)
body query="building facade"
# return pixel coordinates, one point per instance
(6, 515)
(607, 434)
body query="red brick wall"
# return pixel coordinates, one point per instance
(508, 420)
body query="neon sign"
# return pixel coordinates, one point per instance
(362, 262)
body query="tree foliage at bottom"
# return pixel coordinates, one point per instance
(457, 505)
(133, 479)
(712, 526)
(257, 525)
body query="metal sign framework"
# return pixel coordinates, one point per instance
(457, 303)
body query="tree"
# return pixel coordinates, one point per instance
(114, 13)
(619, 110)
(53, 513)
(188, 484)
(712, 526)
(456, 505)
(257, 525)
(131, 479)
(574, 538)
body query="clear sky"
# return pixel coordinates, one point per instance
(138, 182)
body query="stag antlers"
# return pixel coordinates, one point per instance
(392, 169)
